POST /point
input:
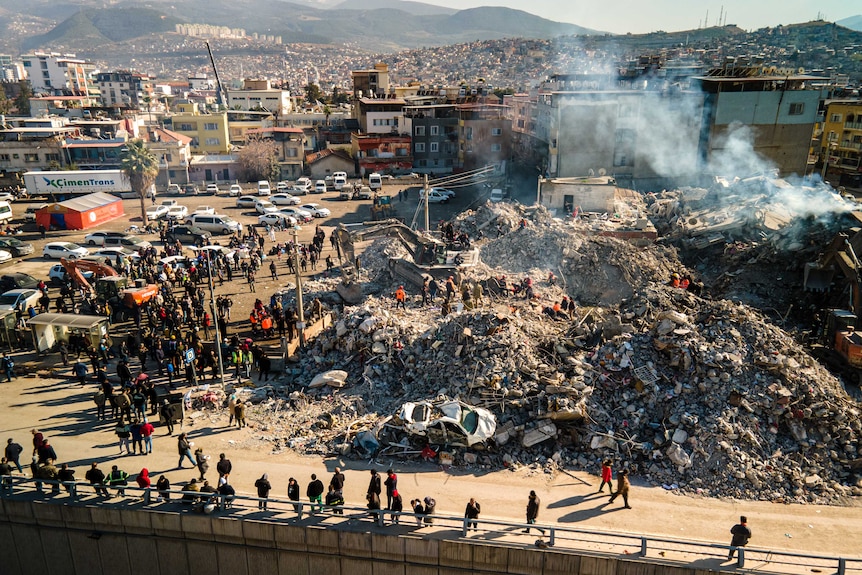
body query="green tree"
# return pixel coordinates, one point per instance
(141, 167)
(5, 103)
(22, 102)
(313, 94)
(327, 111)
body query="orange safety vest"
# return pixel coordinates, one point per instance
(266, 323)
(399, 294)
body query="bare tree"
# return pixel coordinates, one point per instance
(258, 159)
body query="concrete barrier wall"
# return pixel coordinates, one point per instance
(43, 538)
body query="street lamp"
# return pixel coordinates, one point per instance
(214, 316)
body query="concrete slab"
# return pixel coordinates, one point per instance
(262, 560)
(55, 545)
(7, 549)
(422, 551)
(422, 570)
(104, 518)
(166, 524)
(356, 566)
(137, 522)
(290, 563)
(387, 547)
(114, 555)
(232, 559)
(490, 558)
(389, 569)
(19, 511)
(258, 533)
(638, 568)
(289, 537)
(29, 546)
(48, 514)
(203, 556)
(561, 564)
(142, 551)
(318, 564)
(85, 552)
(227, 531)
(76, 517)
(456, 554)
(352, 544)
(322, 541)
(173, 558)
(597, 566)
(526, 561)
(197, 526)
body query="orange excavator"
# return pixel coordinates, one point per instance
(75, 269)
(109, 285)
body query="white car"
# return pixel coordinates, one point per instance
(112, 253)
(284, 199)
(316, 210)
(169, 203)
(263, 188)
(319, 187)
(177, 213)
(281, 186)
(297, 213)
(56, 250)
(174, 189)
(19, 299)
(444, 191)
(303, 183)
(276, 219)
(434, 197)
(7, 197)
(449, 422)
(157, 212)
(98, 238)
(212, 189)
(5, 256)
(57, 274)
(235, 190)
(264, 207)
(204, 210)
(246, 201)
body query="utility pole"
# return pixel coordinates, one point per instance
(214, 316)
(300, 322)
(427, 217)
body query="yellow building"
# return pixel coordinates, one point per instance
(841, 143)
(209, 132)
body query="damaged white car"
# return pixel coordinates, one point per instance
(448, 422)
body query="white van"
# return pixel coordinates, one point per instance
(304, 184)
(263, 188)
(339, 180)
(5, 211)
(496, 195)
(375, 181)
(215, 223)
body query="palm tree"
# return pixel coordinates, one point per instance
(141, 167)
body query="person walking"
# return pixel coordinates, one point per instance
(13, 453)
(167, 416)
(184, 448)
(623, 486)
(239, 413)
(224, 466)
(314, 492)
(8, 366)
(263, 488)
(607, 476)
(741, 534)
(471, 513)
(391, 484)
(202, 461)
(533, 504)
(147, 431)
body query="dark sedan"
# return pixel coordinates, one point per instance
(15, 247)
(17, 281)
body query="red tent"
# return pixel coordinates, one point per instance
(80, 213)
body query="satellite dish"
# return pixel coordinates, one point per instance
(602, 172)
(591, 172)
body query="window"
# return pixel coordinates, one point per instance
(52, 157)
(292, 153)
(435, 130)
(186, 128)
(5, 158)
(419, 130)
(435, 147)
(419, 147)
(31, 157)
(797, 109)
(496, 131)
(835, 118)
(213, 141)
(210, 126)
(496, 147)
(468, 133)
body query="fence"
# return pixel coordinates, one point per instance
(553, 535)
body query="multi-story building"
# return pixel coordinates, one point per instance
(371, 83)
(241, 123)
(435, 130)
(174, 153)
(124, 89)
(841, 144)
(260, 95)
(485, 136)
(379, 115)
(33, 145)
(200, 82)
(54, 73)
(290, 146)
(208, 132)
(93, 154)
(379, 153)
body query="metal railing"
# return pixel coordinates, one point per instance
(553, 535)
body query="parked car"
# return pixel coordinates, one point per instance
(496, 195)
(187, 234)
(246, 201)
(169, 203)
(263, 188)
(177, 213)
(297, 213)
(212, 189)
(16, 247)
(235, 190)
(276, 219)
(264, 206)
(7, 197)
(365, 193)
(284, 199)
(304, 184)
(5, 257)
(191, 190)
(57, 274)
(157, 212)
(98, 238)
(281, 186)
(133, 243)
(19, 299)
(319, 187)
(444, 191)
(68, 250)
(339, 180)
(205, 210)
(112, 253)
(434, 197)
(17, 281)
(214, 223)
(316, 210)
(174, 189)
(448, 422)
(30, 212)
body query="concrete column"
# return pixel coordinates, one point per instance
(597, 566)
(142, 555)
(490, 558)
(173, 557)
(457, 554)
(7, 549)
(387, 547)
(526, 561)
(562, 564)
(421, 551)
(55, 546)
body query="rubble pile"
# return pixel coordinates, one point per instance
(700, 395)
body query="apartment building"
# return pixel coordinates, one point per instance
(55, 73)
(841, 144)
(208, 132)
(124, 89)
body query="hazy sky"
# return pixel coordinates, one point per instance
(620, 16)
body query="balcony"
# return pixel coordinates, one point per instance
(853, 125)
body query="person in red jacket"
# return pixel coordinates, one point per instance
(607, 476)
(147, 431)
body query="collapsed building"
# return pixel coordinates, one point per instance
(693, 393)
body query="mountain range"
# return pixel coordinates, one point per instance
(380, 25)
(853, 22)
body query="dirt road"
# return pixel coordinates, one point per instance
(64, 412)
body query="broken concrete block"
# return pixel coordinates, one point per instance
(539, 434)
